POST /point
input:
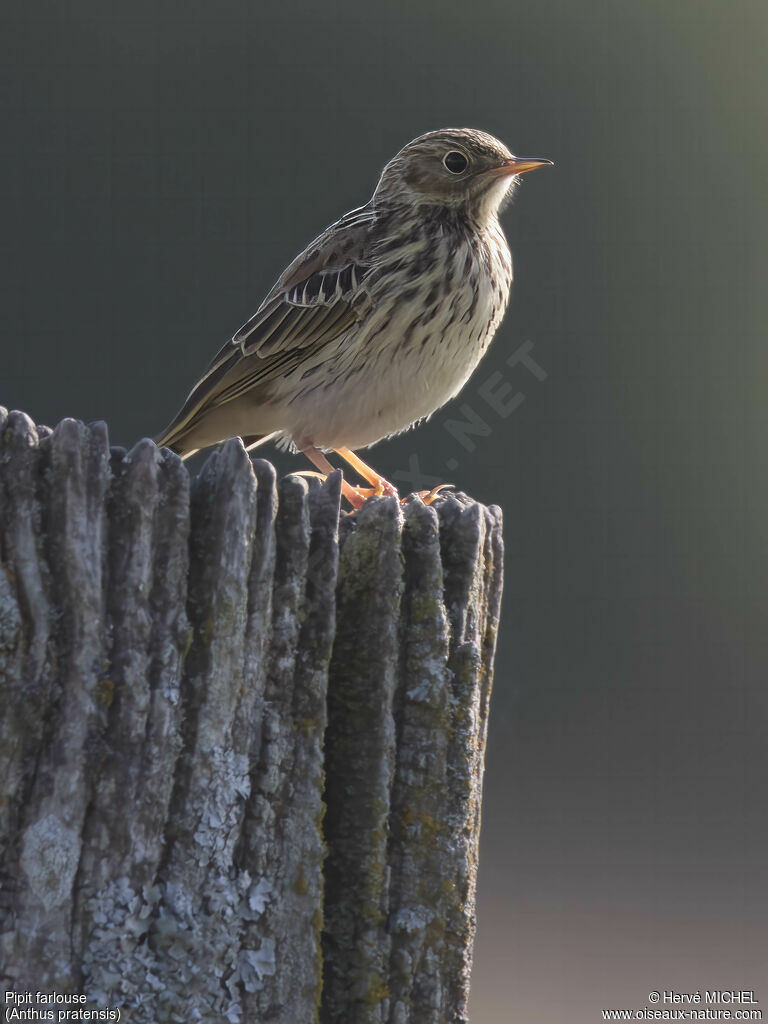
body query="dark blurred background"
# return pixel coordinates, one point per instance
(161, 163)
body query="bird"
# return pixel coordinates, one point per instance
(378, 323)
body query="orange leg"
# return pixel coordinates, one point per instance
(381, 485)
(356, 496)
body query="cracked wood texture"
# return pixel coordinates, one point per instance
(241, 736)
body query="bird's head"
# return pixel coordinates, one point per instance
(455, 168)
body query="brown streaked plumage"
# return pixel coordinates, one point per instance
(379, 322)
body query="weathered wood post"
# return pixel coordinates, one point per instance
(242, 737)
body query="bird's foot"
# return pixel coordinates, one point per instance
(380, 487)
(357, 496)
(428, 496)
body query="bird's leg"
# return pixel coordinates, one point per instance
(380, 485)
(355, 495)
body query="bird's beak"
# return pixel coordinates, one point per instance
(518, 165)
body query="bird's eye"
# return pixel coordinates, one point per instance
(455, 162)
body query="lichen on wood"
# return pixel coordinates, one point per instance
(241, 738)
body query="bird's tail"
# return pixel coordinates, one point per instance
(174, 437)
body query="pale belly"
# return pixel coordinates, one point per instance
(382, 384)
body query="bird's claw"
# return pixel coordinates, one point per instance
(429, 496)
(357, 496)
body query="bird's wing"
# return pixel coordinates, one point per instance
(314, 301)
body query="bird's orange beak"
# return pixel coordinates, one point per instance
(518, 165)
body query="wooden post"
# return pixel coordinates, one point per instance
(241, 739)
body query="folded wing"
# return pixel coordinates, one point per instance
(318, 298)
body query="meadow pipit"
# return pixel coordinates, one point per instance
(379, 322)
